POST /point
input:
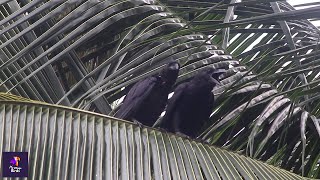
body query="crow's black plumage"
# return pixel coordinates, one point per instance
(191, 104)
(147, 99)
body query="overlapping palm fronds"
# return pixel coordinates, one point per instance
(275, 119)
(87, 54)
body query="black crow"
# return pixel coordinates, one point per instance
(191, 104)
(147, 99)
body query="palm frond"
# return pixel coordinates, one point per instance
(68, 143)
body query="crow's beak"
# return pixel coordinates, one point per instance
(216, 73)
(219, 72)
(216, 81)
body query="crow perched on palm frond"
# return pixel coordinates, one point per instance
(147, 99)
(191, 104)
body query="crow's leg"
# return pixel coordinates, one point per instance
(202, 140)
(162, 129)
(137, 123)
(182, 135)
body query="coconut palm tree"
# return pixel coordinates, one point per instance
(84, 56)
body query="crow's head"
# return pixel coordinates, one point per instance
(212, 75)
(170, 73)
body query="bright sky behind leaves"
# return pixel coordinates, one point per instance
(296, 2)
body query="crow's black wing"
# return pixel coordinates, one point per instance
(135, 97)
(206, 109)
(166, 121)
(211, 103)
